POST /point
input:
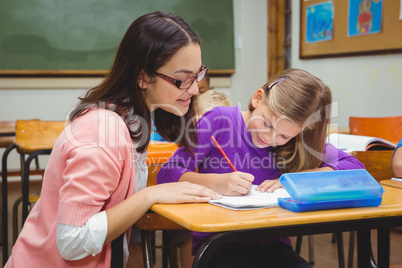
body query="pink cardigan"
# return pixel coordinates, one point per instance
(91, 169)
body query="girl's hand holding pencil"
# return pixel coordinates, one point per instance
(236, 183)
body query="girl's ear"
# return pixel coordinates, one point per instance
(257, 97)
(142, 80)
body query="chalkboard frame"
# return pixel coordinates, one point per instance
(228, 44)
(87, 73)
(384, 42)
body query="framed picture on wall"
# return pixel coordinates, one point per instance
(349, 28)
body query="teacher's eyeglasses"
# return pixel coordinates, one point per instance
(186, 83)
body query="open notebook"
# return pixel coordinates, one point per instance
(349, 143)
(252, 200)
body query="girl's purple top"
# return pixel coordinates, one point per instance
(226, 124)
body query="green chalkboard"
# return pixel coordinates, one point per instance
(80, 37)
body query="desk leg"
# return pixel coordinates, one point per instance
(4, 217)
(341, 255)
(146, 248)
(363, 248)
(383, 247)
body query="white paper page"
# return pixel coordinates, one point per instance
(349, 143)
(252, 200)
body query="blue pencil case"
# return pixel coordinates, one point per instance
(330, 190)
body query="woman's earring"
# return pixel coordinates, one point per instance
(141, 85)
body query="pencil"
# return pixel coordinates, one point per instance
(223, 153)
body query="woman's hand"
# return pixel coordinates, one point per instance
(235, 183)
(182, 192)
(269, 186)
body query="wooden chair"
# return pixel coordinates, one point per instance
(388, 128)
(32, 138)
(377, 163)
(7, 137)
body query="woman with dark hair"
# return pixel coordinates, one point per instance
(89, 195)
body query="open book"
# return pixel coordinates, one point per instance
(349, 143)
(252, 200)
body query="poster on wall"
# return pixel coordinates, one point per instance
(365, 17)
(400, 10)
(319, 22)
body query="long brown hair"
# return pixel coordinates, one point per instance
(148, 44)
(304, 100)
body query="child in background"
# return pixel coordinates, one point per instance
(397, 160)
(88, 196)
(204, 85)
(211, 99)
(283, 131)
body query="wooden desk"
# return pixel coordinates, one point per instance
(277, 222)
(391, 183)
(7, 131)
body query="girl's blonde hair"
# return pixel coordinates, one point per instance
(304, 100)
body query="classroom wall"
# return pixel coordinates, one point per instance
(361, 86)
(250, 50)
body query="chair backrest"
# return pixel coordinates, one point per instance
(153, 170)
(388, 128)
(158, 154)
(377, 163)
